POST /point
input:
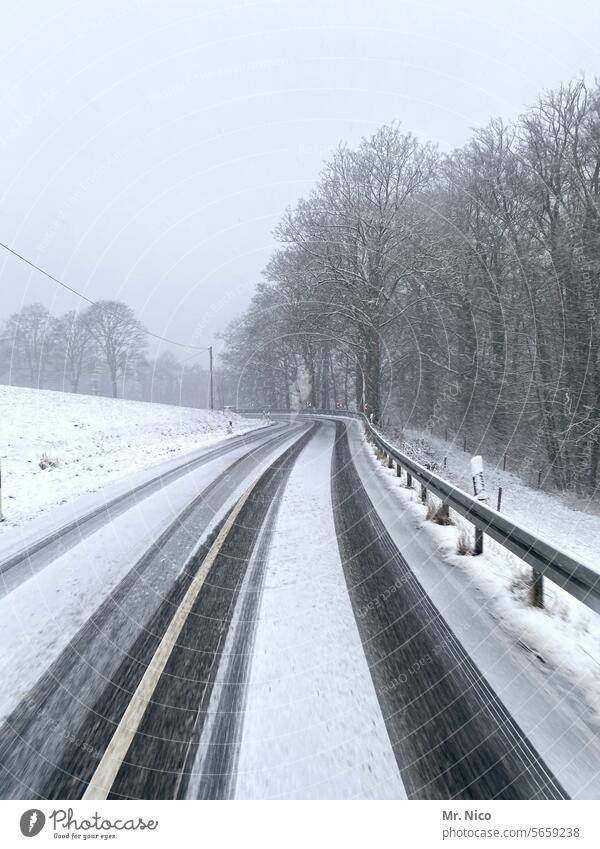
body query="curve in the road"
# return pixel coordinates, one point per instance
(451, 735)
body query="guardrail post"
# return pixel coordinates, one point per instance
(408, 480)
(398, 470)
(423, 493)
(536, 591)
(478, 549)
(390, 463)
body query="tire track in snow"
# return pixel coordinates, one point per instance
(50, 744)
(212, 772)
(158, 763)
(452, 736)
(312, 726)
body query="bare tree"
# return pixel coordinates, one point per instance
(73, 345)
(359, 232)
(119, 335)
(459, 292)
(28, 339)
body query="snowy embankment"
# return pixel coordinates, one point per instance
(55, 446)
(566, 634)
(573, 525)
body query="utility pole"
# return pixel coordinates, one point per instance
(211, 376)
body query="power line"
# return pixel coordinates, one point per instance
(89, 300)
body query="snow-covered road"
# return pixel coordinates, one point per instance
(324, 653)
(312, 726)
(70, 631)
(46, 609)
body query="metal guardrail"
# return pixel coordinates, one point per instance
(568, 573)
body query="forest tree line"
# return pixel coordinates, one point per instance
(102, 350)
(455, 293)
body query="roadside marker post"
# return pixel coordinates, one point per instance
(480, 495)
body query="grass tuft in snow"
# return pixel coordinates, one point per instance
(463, 543)
(438, 513)
(47, 462)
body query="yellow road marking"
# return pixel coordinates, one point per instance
(106, 771)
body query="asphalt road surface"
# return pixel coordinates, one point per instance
(163, 716)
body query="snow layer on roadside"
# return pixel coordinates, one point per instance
(312, 727)
(95, 441)
(538, 662)
(570, 524)
(39, 617)
(566, 632)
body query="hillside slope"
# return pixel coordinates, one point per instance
(570, 523)
(86, 442)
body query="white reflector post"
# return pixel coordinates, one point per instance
(477, 475)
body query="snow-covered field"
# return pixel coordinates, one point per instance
(573, 525)
(90, 442)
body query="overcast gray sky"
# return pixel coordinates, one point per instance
(148, 148)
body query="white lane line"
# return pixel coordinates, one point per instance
(223, 674)
(106, 771)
